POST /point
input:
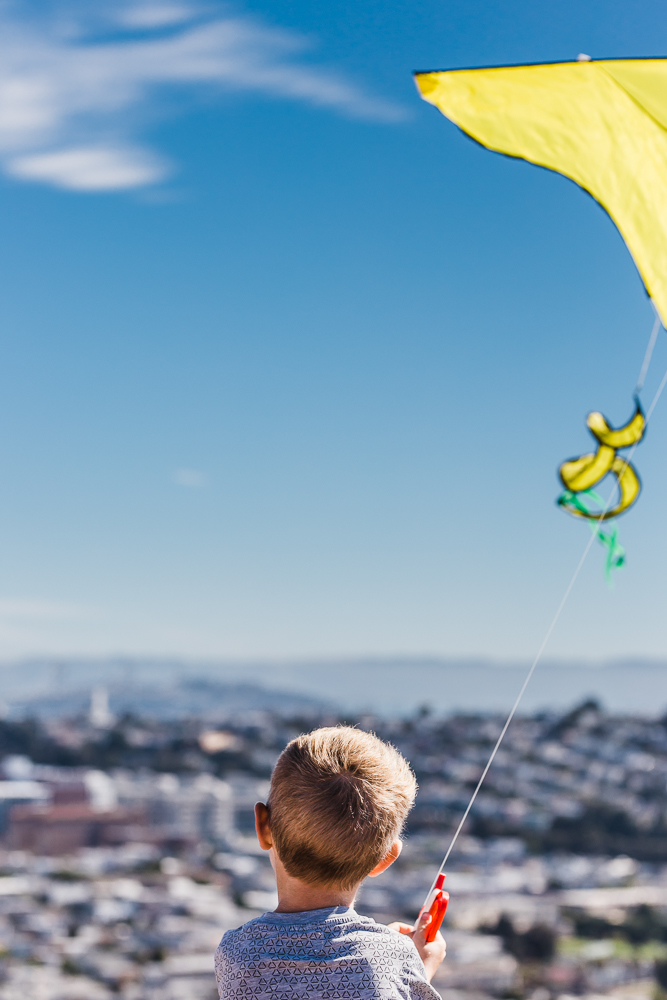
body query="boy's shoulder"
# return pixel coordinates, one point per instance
(322, 927)
(319, 935)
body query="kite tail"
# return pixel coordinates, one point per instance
(615, 553)
(609, 539)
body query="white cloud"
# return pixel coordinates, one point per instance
(73, 99)
(95, 169)
(155, 15)
(191, 478)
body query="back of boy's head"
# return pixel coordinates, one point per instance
(339, 798)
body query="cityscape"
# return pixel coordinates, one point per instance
(128, 848)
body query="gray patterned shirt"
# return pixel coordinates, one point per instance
(319, 955)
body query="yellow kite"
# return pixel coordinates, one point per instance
(601, 123)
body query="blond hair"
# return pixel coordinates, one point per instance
(339, 798)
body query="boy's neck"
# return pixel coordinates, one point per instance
(295, 896)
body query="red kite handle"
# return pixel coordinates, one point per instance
(437, 911)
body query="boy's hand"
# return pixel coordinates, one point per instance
(431, 954)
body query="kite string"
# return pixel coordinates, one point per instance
(519, 697)
(649, 352)
(653, 403)
(559, 610)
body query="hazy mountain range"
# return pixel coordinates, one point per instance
(387, 686)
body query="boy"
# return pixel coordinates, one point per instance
(337, 804)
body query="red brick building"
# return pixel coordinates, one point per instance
(63, 829)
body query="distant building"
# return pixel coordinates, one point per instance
(190, 809)
(99, 715)
(13, 793)
(63, 829)
(17, 767)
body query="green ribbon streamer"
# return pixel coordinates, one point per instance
(609, 539)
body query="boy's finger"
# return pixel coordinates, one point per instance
(423, 922)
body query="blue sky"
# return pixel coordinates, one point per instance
(288, 364)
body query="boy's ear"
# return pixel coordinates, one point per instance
(262, 827)
(388, 859)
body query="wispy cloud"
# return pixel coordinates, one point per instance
(192, 478)
(76, 86)
(89, 168)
